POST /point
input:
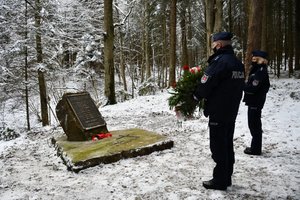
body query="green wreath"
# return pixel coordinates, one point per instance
(182, 98)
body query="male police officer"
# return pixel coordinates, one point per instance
(256, 88)
(221, 87)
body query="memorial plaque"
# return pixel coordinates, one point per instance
(86, 111)
(79, 116)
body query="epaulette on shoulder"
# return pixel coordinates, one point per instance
(217, 58)
(261, 69)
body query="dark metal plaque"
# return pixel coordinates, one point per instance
(86, 111)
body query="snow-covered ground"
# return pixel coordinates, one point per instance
(30, 168)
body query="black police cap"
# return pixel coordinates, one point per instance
(222, 36)
(259, 53)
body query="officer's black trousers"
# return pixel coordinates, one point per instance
(254, 124)
(221, 146)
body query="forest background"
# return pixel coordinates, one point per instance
(123, 48)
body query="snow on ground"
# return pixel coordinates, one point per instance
(31, 170)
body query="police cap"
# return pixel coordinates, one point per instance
(222, 36)
(259, 53)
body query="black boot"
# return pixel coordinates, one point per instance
(250, 152)
(229, 183)
(212, 185)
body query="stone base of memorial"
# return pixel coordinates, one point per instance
(78, 155)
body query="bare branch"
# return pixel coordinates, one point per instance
(30, 4)
(126, 16)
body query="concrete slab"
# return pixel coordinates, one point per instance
(78, 155)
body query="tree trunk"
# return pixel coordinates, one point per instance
(41, 77)
(147, 40)
(108, 53)
(290, 38)
(122, 62)
(285, 34)
(230, 25)
(209, 21)
(279, 38)
(26, 69)
(218, 12)
(264, 27)
(191, 52)
(165, 57)
(297, 38)
(184, 51)
(172, 74)
(271, 37)
(213, 20)
(254, 30)
(122, 59)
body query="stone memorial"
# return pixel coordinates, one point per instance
(82, 122)
(80, 117)
(128, 143)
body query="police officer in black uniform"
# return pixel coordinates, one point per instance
(221, 87)
(255, 92)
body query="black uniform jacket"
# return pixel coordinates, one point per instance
(222, 85)
(257, 86)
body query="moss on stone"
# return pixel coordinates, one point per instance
(121, 141)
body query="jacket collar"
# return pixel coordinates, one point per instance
(224, 50)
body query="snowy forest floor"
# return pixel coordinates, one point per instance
(31, 170)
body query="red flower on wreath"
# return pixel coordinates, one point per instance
(182, 97)
(195, 69)
(185, 67)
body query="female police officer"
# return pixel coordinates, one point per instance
(221, 87)
(255, 92)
